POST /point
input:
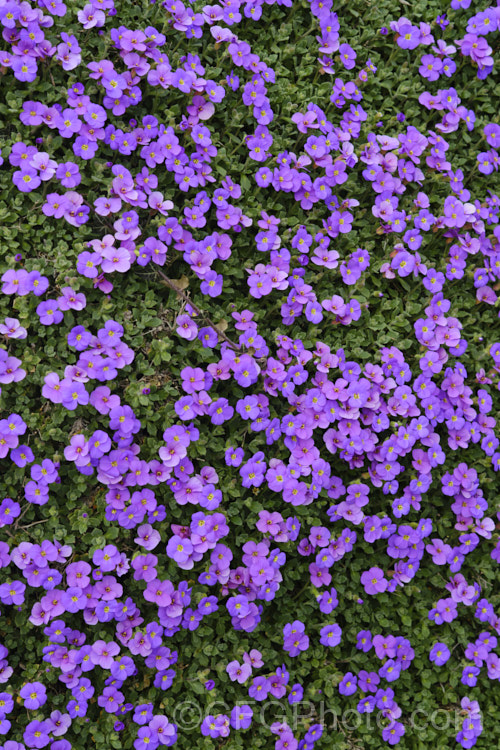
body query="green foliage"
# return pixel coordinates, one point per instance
(147, 309)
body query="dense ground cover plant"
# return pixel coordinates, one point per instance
(249, 372)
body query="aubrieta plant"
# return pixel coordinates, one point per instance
(250, 373)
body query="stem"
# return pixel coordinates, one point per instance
(35, 523)
(168, 282)
(22, 514)
(314, 27)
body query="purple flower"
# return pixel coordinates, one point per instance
(102, 653)
(211, 284)
(163, 731)
(111, 699)
(26, 179)
(84, 148)
(238, 672)
(220, 411)
(364, 642)
(34, 695)
(373, 580)
(145, 739)
(9, 510)
(186, 327)
(36, 733)
(238, 606)
(108, 557)
(73, 393)
(469, 676)
(71, 300)
(241, 717)
(393, 733)
(259, 688)
(179, 549)
(348, 685)
(295, 639)
(44, 165)
(24, 68)
(330, 635)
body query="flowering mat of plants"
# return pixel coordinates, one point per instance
(249, 369)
